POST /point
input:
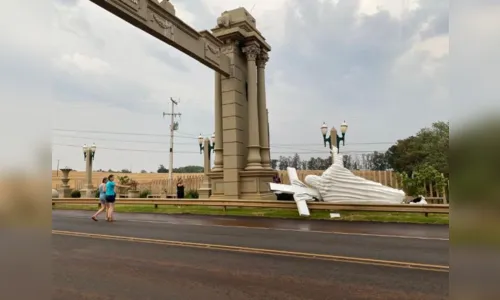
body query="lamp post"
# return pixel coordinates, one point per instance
(205, 144)
(333, 135)
(88, 156)
(206, 148)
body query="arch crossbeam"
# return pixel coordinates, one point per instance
(158, 19)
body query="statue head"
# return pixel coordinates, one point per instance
(313, 181)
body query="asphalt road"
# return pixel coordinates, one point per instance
(165, 257)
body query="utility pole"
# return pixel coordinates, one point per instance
(173, 127)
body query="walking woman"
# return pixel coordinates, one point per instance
(102, 198)
(110, 197)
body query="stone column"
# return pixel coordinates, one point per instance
(254, 158)
(88, 168)
(333, 141)
(218, 159)
(263, 123)
(205, 189)
(89, 188)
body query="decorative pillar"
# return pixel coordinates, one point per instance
(88, 168)
(254, 158)
(206, 189)
(218, 160)
(263, 123)
(89, 188)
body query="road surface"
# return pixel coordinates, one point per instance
(144, 256)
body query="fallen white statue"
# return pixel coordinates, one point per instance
(337, 185)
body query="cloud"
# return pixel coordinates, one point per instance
(380, 65)
(83, 63)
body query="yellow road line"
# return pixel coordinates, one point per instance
(303, 231)
(386, 263)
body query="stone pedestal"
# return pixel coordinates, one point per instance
(133, 194)
(205, 190)
(216, 185)
(254, 185)
(88, 192)
(65, 190)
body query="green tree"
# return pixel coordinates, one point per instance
(284, 163)
(162, 169)
(376, 161)
(429, 146)
(348, 162)
(189, 169)
(422, 176)
(295, 161)
(351, 162)
(274, 164)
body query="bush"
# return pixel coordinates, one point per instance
(76, 194)
(416, 185)
(192, 194)
(144, 193)
(97, 194)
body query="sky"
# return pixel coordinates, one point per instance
(383, 66)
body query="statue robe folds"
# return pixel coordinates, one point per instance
(339, 185)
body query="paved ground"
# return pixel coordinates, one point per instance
(100, 267)
(413, 230)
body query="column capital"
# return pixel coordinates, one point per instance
(262, 59)
(251, 51)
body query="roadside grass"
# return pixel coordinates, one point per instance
(270, 213)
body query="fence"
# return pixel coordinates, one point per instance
(158, 184)
(405, 208)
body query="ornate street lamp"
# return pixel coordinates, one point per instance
(85, 149)
(343, 130)
(92, 150)
(89, 149)
(211, 147)
(207, 147)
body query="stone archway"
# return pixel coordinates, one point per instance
(238, 54)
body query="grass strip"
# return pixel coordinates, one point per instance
(270, 213)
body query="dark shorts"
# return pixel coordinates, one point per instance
(110, 199)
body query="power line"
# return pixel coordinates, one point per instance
(117, 140)
(126, 149)
(120, 133)
(197, 152)
(282, 146)
(192, 137)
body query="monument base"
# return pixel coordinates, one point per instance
(254, 185)
(204, 193)
(88, 193)
(205, 190)
(216, 185)
(65, 192)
